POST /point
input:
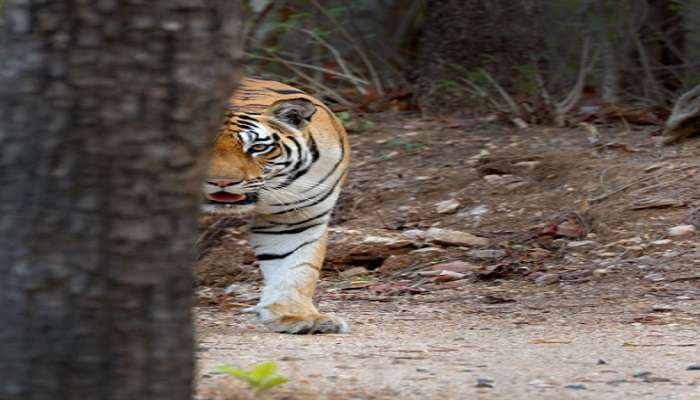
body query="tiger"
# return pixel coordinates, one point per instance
(282, 156)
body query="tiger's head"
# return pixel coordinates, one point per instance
(256, 155)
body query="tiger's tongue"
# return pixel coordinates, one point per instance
(223, 197)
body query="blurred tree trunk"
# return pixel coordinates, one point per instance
(610, 84)
(106, 111)
(461, 36)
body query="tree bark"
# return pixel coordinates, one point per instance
(107, 108)
(462, 36)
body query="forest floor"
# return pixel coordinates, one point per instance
(567, 267)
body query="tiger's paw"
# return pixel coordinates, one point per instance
(301, 324)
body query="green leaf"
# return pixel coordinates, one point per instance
(238, 373)
(263, 370)
(270, 382)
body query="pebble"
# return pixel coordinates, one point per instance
(449, 276)
(681, 230)
(662, 307)
(693, 367)
(353, 272)
(600, 272)
(581, 244)
(547, 279)
(454, 266)
(447, 207)
(487, 254)
(575, 387)
(654, 277)
(455, 238)
(601, 362)
(484, 383)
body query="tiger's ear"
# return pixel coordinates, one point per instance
(296, 113)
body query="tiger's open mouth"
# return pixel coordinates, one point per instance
(225, 198)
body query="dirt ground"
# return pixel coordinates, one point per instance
(570, 270)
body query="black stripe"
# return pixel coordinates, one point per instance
(267, 256)
(245, 124)
(332, 171)
(313, 148)
(288, 231)
(332, 189)
(287, 91)
(323, 214)
(247, 117)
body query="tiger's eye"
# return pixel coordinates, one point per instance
(259, 147)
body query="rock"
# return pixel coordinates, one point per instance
(600, 272)
(601, 362)
(454, 238)
(447, 207)
(486, 254)
(484, 383)
(449, 276)
(396, 262)
(681, 230)
(581, 244)
(662, 307)
(349, 273)
(389, 242)
(654, 277)
(693, 367)
(454, 266)
(661, 242)
(429, 273)
(547, 279)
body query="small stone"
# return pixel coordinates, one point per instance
(449, 276)
(581, 244)
(661, 242)
(547, 279)
(422, 370)
(484, 383)
(454, 238)
(486, 254)
(654, 277)
(355, 271)
(447, 207)
(681, 230)
(455, 266)
(693, 367)
(390, 242)
(428, 273)
(601, 362)
(600, 272)
(575, 387)
(662, 307)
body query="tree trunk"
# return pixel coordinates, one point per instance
(610, 82)
(106, 111)
(462, 36)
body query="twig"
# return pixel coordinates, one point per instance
(365, 59)
(342, 100)
(572, 98)
(339, 59)
(312, 67)
(622, 188)
(509, 100)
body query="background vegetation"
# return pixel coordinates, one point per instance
(535, 58)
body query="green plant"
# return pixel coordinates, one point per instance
(260, 378)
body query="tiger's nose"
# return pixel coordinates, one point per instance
(222, 183)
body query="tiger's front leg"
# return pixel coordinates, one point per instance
(291, 257)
